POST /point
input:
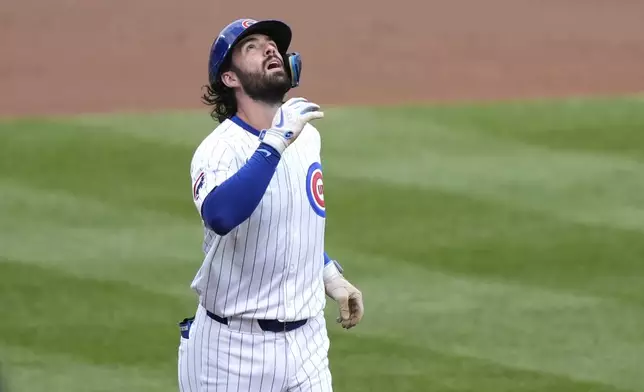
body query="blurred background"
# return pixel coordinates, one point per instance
(484, 178)
(73, 55)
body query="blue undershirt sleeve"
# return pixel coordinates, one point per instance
(234, 200)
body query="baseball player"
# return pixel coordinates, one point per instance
(257, 185)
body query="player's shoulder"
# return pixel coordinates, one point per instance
(311, 129)
(220, 141)
(227, 134)
(311, 133)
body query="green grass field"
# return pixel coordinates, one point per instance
(500, 247)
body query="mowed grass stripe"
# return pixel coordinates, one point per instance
(397, 366)
(67, 208)
(597, 126)
(443, 151)
(97, 321)
(37, 371)
(579, 337)
(490, 260)
(427, 151)
(97, 163)
(466, 235)
(88, 237)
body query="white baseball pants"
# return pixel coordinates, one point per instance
(242, 357)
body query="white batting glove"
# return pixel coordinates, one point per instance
(349, 298)
(288, 123)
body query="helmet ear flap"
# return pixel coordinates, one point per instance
(294, 68)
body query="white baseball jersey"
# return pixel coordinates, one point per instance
(270, 266)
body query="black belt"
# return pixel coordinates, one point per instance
(265, 325)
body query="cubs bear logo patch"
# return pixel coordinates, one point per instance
(315, 189)
(199, 183)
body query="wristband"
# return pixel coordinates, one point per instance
(275, 138)
(332, 270)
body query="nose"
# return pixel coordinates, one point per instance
(270, 50)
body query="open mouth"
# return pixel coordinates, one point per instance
(273, 64)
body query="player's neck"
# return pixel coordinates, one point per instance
(257, 114)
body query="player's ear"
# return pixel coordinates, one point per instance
(229, 79)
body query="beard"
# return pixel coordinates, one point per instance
(261, 86)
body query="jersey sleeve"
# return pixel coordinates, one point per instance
(210, 168)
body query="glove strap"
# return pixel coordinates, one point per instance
(276, 138)
(331, 271)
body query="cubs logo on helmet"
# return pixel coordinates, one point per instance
(315, 189)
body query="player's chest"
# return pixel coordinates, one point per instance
(299, 178)
(298, 183)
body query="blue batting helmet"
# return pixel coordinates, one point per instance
(228, 37)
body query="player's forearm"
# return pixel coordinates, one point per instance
(232, 202)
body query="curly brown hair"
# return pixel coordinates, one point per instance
(220, 97)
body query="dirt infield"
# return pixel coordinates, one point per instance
(67, 56)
